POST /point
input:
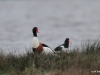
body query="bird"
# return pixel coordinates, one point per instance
(63, 47)
(37, 46)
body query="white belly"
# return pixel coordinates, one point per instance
(35, 42)
(64, 49)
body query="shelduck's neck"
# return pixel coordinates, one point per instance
(35, 30)
(34, 34)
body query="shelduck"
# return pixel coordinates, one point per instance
(38, 46)
(64, 46)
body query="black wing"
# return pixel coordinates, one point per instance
(58, 48)
(44, 45)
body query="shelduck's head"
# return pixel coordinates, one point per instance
(66, 43)
(35, 31)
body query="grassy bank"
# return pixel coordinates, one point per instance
(85, 62)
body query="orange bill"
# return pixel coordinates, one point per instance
(70, 41)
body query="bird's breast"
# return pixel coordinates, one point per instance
(39, 48)
(35, 42)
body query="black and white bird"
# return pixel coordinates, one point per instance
(38, 46)
(64, 46)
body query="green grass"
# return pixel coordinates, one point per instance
(73, 63)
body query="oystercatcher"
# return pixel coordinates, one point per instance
(64, 46)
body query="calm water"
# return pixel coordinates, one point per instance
(56, 20)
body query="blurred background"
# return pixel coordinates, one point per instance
(56, 20)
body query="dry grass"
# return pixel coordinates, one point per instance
(73, 63)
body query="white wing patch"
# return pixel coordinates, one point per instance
(47, 50)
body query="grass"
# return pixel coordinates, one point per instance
(73, 63)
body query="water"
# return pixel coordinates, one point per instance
(56, 20)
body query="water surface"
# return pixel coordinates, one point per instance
(56, 20)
